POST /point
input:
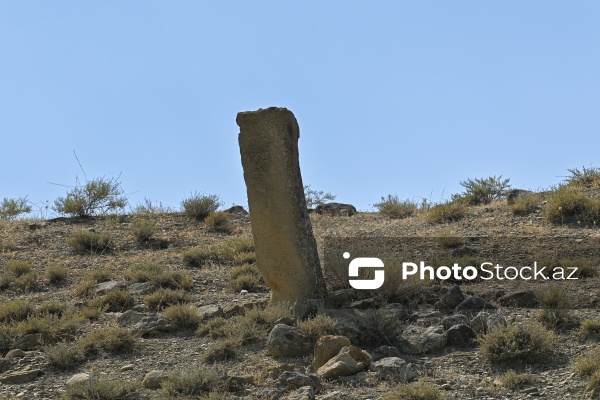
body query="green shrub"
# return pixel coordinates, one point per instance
(446, 212)
(245, 277)
(51, 307)
(159, 276)
(103, 389)
(52, 327)
(217, 221)
(529, 343)
(567, 204)
(316, 197)
(98, 196)
(589, 327)
(555, 305)
(163, 298)
(18, 268)
(593, 385)
(183, 316)
(587, 177)
(318, 326)
(16, 310)
(238, 245)
(110, 339)
(86, 242)
(12, 208)
(525, 204)
(114, 301)
(56, 274)
(512, 380)
(215, 328)
(483, 190)
(192, 382)
(6, 279)
(63, 355)
(151, 208)
(587, 364)
(448, 239)
(27, 282)
(200, 206)
(420, 390)
(198, 256)
(143, 229)
(221, 350)
(393, 207)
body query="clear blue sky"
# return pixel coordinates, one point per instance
(398, 97)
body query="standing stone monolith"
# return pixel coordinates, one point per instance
(286, 250)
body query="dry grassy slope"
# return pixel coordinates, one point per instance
(468, 376)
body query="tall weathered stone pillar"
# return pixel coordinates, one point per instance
(286, 251)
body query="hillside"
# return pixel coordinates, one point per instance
(51, 293)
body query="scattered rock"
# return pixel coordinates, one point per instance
(495, 321)
(288, 341)
(141, 288)
(452, 298)
(104, 287)
(210, 311)
(394, 369)
(336, 209)
(341, 365)
(521, 299)
(154, 379)
(237, 210)
(303, 393)
(472, 305)
(384, 351)
(335, 395)
(455, 319)
(20, 377)
(479, 322)
(296, 380)
(417, 340)
(286, 321)
(366, 304)
(16, 353)
(128, 367)
(141, 324)
(78, 378)
(236, 383)
(328, 347)
(460, 336)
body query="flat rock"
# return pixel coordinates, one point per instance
(384, 351)
(303, 393)
(328, 347)
(394, 369)
(154, 379)
(460, 336)
(418, 340)
(20, 377)
(78, 378)
(296, 380)
(105, 287)
(210, 311)
(341, 365)
(141, 324)
(16, 353)
(455, 319)
(522, 299)
(288, 341)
